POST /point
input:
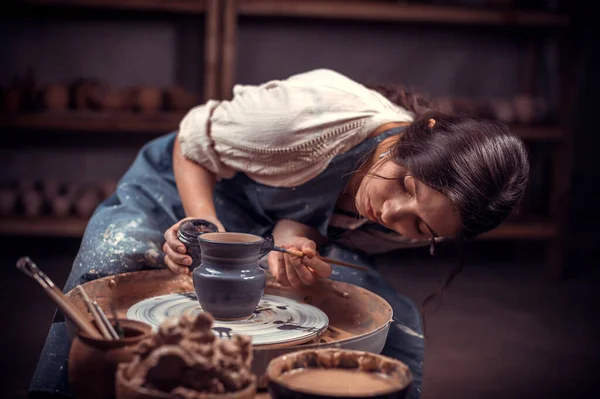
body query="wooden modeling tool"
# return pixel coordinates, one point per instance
(102, 326)
(26, 265)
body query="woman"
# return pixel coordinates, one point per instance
(322, 163)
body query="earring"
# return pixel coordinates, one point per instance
(431, 123)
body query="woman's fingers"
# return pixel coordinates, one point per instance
(174, 267)
(172, 240)
(177, 258)
(310, 260)
(322, 269)
(277, 268)
(309, 248)
(301, 271)
(291, 274)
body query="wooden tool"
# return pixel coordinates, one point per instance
(324, 259)
(96, 314)
(27, 266)
(104, 319)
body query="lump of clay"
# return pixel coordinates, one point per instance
(185, 359)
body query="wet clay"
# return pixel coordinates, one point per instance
(338, 382)
(185, 358)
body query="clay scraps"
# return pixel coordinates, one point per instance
(186, 359)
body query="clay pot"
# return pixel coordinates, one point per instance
(13, 100)
(8, 201)
(32, 203)
(357, 374)
(177, 98)
(107, 188)
(55, 97)
(61, 206)
(80, 93)
(86, 202)
(93, 362)
(103, 97)
(229, 283)
(126, 390)
(147, 99)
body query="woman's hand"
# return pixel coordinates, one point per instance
(295, 271)
(175, 251)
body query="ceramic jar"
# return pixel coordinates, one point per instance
(229, 282)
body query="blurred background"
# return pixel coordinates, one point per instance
(85, 83)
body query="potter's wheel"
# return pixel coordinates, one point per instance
(358, 319)
(276, 321)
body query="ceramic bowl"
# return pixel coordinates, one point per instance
(337, 373)
(127, 390)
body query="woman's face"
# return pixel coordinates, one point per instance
(404, 204)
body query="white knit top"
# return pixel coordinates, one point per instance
(285, 132)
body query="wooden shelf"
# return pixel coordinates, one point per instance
(538, 133)
(522, 231)
(389, 11)
(183, 6)
(74, 227)
(91, 122)
(167, 122)
(43, 226)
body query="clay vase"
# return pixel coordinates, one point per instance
(93, 362)
(229, 283)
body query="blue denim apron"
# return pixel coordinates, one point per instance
(126, 234)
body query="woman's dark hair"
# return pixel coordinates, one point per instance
(477, 163)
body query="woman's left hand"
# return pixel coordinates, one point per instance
(298, 271)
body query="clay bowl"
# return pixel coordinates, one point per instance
(336, 373)
(93, 362)
(358, 318)
(126, 390)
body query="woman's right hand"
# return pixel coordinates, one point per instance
(290, 270)
(175, 251)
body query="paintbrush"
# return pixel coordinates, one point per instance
(118, 327)
(104, 319)
(26, 265)
(300, 254)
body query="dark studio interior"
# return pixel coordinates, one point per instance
(520, 320)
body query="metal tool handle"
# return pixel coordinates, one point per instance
(27, 266)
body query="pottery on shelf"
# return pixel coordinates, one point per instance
(147, 99)
(8, 201)
(93, 362)
(55, 97)
(229, 283)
